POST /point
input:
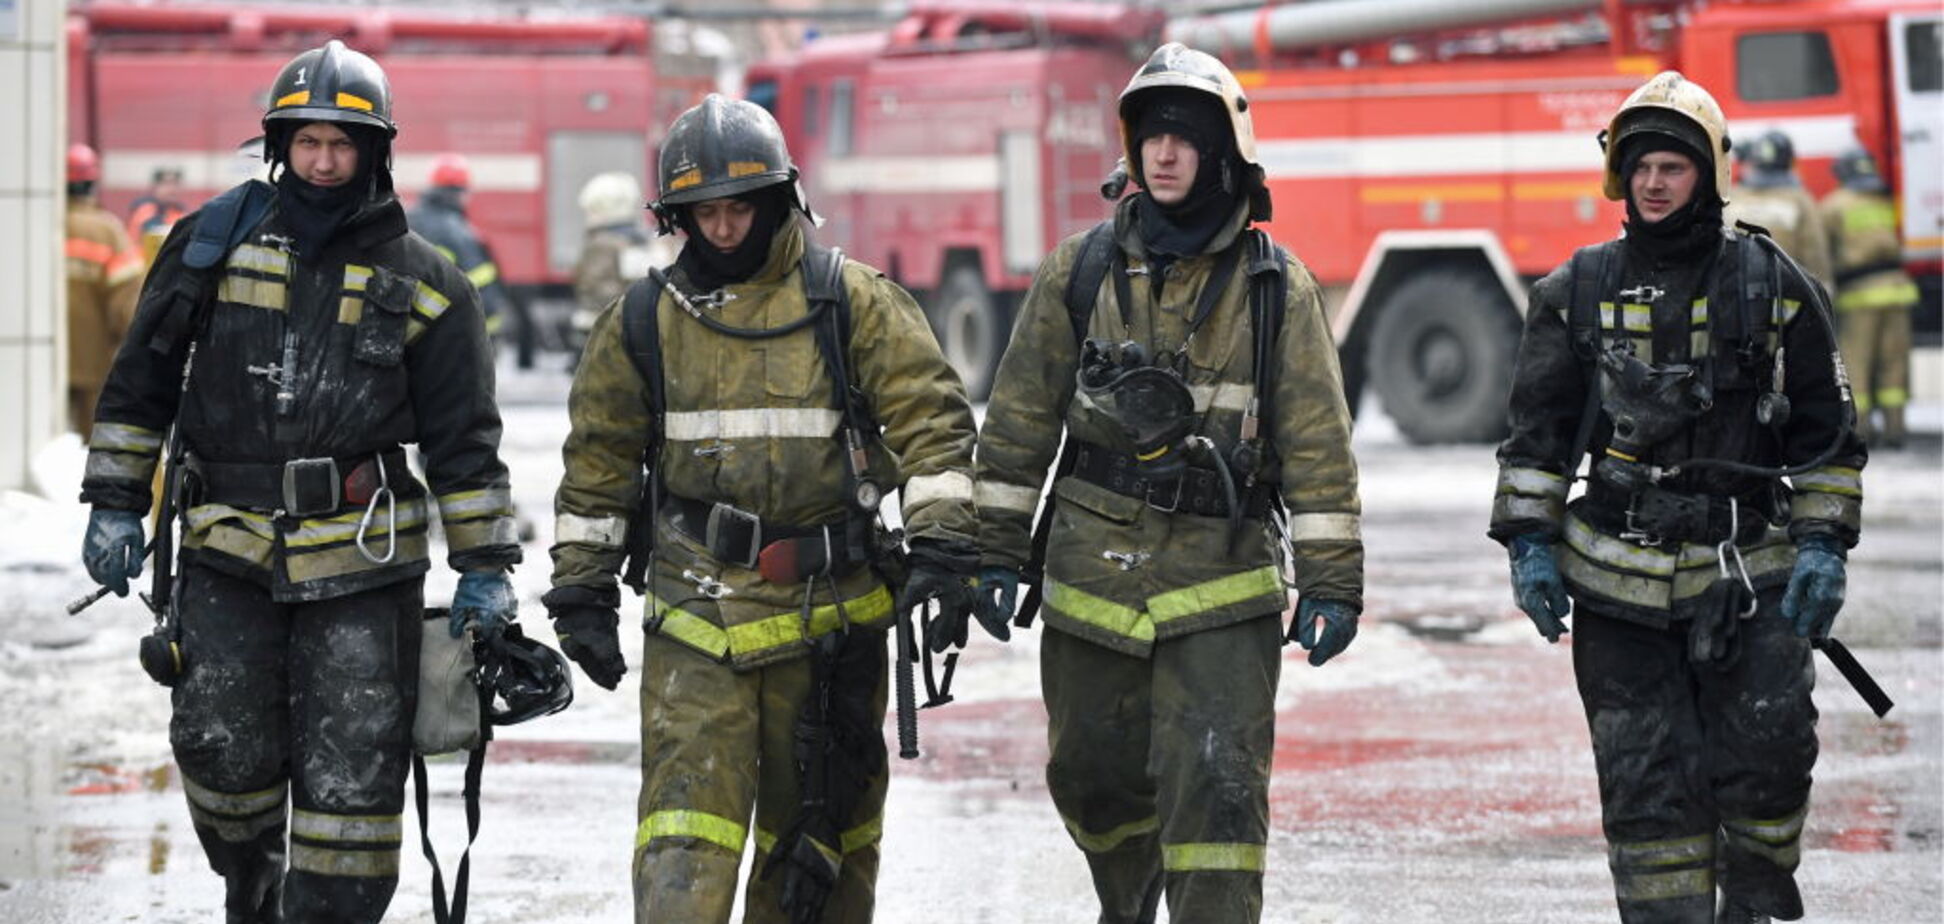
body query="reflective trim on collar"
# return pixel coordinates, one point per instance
(702, 826)
(988, 494)
(603, 531)
(1325, 527)
(944, 486)
(752, 423)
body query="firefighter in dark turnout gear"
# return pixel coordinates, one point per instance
(763, 670)
(318, 340)
(1696, 367)
(440, 218)
(1201, 401)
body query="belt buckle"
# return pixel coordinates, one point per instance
(723, 516)
(311, 487)
(1174, 503)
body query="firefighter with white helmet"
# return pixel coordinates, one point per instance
(1187, 361)
(773, 391)
(1770, 196)
(1874, 295)
(615, 249)
(324, 336)
(1708, 547)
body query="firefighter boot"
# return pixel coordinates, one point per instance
(1734, 912)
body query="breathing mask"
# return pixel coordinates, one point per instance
(1647, 404)
(1150, 402)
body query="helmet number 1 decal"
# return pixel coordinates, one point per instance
(300, 76)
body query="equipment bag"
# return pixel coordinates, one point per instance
(449, 717)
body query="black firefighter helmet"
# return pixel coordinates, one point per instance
(521, 678)
(722, 147)
(331, 83)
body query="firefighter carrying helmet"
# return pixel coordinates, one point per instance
(610, 198)
(1177, 65)
(1668, 104)
(722, 147)
(1856, 169)
(331, 84)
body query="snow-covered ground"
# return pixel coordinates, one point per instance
(1438, 771)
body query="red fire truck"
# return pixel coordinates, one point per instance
(1428, 159)
(536, 105)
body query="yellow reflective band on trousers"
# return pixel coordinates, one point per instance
(1644, 871)
(1641, 887)
(1109, 840)
(701, 826)
(779, 630)
(1095, 611)
(1893, 294)
(364, 829)
(1778, 840)
(1673, 852)
(327, 861)
(236, 817)
(859, 838)
(1215, 594)
(1200, 858)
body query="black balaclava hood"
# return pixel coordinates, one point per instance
(1692, 226)
(1185, 228)
(313, 213)
(709, 269)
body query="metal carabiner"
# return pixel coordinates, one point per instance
(1727, 548)
(391, 517)
(707, 585)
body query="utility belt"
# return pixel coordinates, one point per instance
(782, 553)
(299, 487)
(1197, 490)
(1655, 516)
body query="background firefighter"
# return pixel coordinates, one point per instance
(1874, 295)
(104, 276)
(323, 337)
(761, 585)
(615, 250)
(1770, 196)
(1715, 364)
(1162, 586)
(440, 218)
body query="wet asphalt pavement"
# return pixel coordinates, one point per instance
(1438, 771)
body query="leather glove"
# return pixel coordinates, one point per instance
(485, 598)
(941, 570)
(113, 548)
(1537, 585)
(1816, 586)
(998, 590)
(1339, 621)
(589, 635)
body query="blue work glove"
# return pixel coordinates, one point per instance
(1816, 586)
(485, 598)
(1339, 621)
(113, 549)
(998, 590)
(1537, 585)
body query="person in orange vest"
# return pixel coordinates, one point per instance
(104, 276)
(1874, 295)
(154, 213)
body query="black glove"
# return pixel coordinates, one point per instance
(588, 635)
(941, 570)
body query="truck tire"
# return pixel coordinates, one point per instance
(971, 327)
(1441, 358)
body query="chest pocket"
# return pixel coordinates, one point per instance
(380, 339)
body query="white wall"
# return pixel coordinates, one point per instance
(33, 291)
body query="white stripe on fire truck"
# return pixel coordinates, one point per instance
(969, 173)
(221, 169)
(1497, 153)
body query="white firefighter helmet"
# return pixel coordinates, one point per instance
(1673, 105)
(1178, 66)
(610, 199)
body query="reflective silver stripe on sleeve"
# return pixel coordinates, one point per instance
(608, 531)
(1531, 481)
(1831, 480)
(125, 438)
(119, 466)
(469, 505)
(752, 423)
(997, 495)
(944, 486)
(1325, 527)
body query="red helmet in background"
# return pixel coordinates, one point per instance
(83, 166)
(451, 170)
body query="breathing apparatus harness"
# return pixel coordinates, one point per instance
(1149, 397)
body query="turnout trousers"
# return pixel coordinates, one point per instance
(716, 745)
(1876, 348)
(1160, 767)
(294, 720)
(1704, 768)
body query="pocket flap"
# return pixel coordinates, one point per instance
(391, 291)
(1110, 505)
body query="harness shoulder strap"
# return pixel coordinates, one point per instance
(1089, 270)
(1594, 276)
(1268, 300)
(221, 224)
(823, 287)
(641, 334)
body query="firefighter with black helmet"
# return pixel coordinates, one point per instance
(1770, 196)
(1694, 364)
(774, 392)
(1874, 294)
(1188, 362)
(290, 340)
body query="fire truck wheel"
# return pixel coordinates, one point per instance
(1441, 358)
(970, 327)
